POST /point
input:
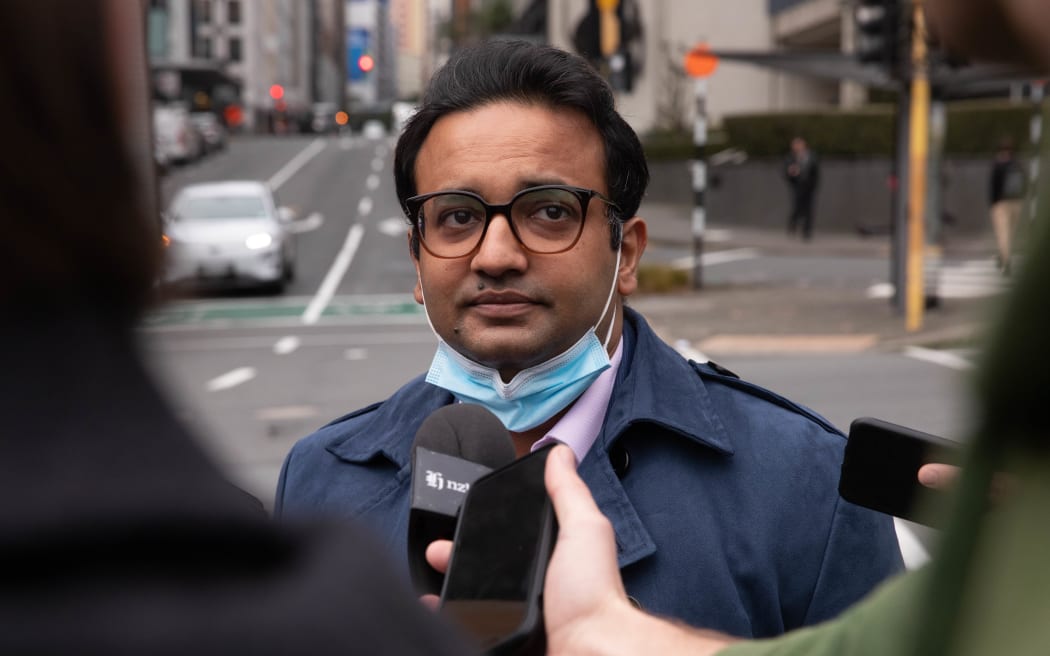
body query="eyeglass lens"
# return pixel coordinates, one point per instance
(545, 221)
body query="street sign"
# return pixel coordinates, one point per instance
(699, 62)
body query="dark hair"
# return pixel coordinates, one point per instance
(74, 214)
(529, 73)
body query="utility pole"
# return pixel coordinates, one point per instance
(699, 64)
(917, 154)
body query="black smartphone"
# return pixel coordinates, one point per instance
(504, 538)
(881, 464)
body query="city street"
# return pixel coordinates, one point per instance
(255, 373)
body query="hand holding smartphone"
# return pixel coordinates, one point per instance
(504, 539)
(881, 464)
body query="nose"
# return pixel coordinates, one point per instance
(500, 251)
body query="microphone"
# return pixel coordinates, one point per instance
(454, 446)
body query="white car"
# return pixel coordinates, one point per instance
(177, 139)
(229, 234)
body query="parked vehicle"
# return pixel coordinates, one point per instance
(323, 118)
(211, 129)
(178, 141)
(229, 234)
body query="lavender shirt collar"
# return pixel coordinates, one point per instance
(580, 426)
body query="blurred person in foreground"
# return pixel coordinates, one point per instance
(988, 590)
(521, 183)
(117, 534)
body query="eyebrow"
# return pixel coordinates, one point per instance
(526, 184)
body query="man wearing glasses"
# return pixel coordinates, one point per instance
(521, 182)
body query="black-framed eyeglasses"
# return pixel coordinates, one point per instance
(546, 220)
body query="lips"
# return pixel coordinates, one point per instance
(500, 298)
(505, 304)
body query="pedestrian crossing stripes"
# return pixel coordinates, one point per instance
(955, 279)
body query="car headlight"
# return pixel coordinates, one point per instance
(259, 240)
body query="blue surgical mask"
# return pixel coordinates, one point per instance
(535, 394)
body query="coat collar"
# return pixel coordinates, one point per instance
(654, 386)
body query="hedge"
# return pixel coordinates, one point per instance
(974, 128)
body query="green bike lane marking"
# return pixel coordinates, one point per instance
(238, 310)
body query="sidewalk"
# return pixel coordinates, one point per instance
(797, 316)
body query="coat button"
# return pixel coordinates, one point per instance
(620, 459)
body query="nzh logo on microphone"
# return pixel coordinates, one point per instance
(436, 480)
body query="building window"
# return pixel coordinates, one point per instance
(204, 7)
(202, 47)
(235, 49)
(233, 12)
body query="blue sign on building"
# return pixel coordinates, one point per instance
(357, 43)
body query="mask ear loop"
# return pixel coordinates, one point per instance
(608, 301)
(426, 312)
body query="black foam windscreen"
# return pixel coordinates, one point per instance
(454, 446)
(466, 431)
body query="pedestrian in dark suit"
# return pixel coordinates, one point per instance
(117, 534)
(802, 170)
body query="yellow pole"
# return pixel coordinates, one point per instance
(917, 153)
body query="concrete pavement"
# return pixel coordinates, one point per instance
(799, 316)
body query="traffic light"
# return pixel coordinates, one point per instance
(879, 32)
(366, 63)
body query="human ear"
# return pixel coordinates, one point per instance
(632, 245)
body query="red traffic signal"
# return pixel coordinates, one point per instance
(366, 63)
(276, 91)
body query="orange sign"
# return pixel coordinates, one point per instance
(699, 62)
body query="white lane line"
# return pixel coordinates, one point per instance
(943, 358)
(393, 227)
(346, 143)
(286, 345)
(716, 257)
(914, 554)
(356, 354)
(334, 275)
(296, 163)
(364, 206)
(231, 379)
(372, 182)
(686, 350)
(377, 165)
(312, 222)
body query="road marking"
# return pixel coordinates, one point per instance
(912, 550)
(334, 275)
(356, 354)
(231, 379)
(943, 358)
(351, 341)
(377, 165)
(751, 344)
(346, 143)
(286, 345)
(364, 206)
(716, 257)
(392, 227)
(372, 182)
(299, 161)
(309, 224)
(686, 350)
(286, 413)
